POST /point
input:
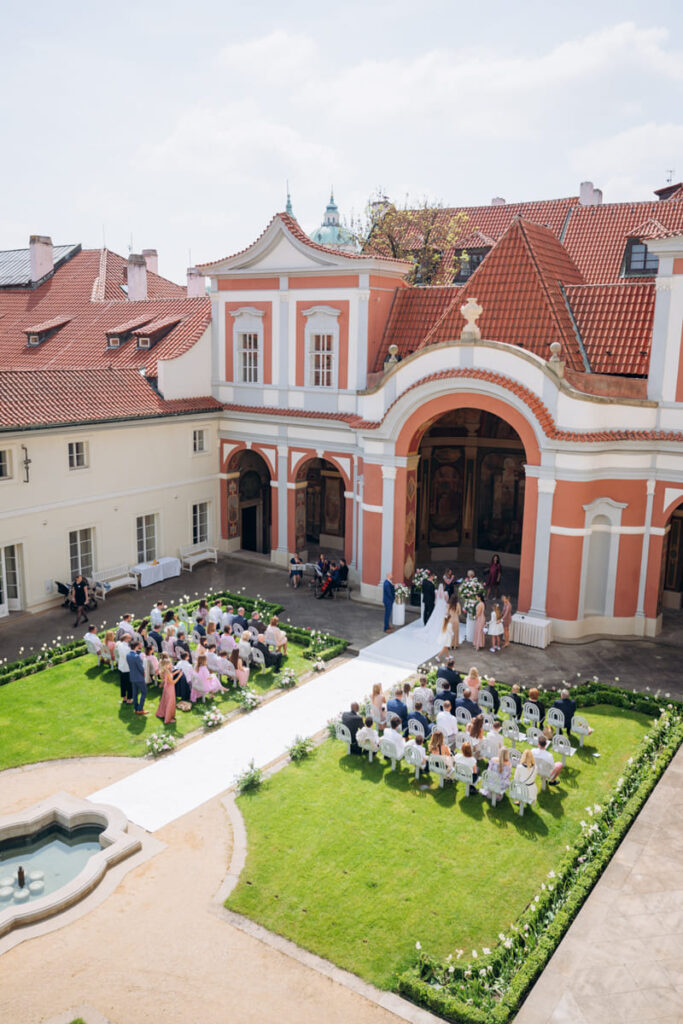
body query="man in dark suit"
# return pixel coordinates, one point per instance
(567, 706)
(515, 694)
(257, 623)
(240, 619)
(449, 695)
(491, 688)
(428, 595)
(466, 702)
(181, 641)
(418, 716)
(155, 635)
(353, 722)
(450, 677)
(395, 706)
(271, 658)
(136, 668)
(388, 594)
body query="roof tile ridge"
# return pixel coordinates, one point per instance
(542, 279)
(100, 283)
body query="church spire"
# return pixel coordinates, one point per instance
(288, 207)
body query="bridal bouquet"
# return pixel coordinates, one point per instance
(469, 593)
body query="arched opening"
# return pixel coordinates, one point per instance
(471, 486)
(249, 502)
(671, 578)
(322, 526)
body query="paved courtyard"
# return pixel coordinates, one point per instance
(636, 663)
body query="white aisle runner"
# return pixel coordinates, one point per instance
(166, 789)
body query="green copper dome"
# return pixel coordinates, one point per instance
(331, 232)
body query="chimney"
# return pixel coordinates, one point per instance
(589, 196)
(196, 288)
(497, 201)
(137, 277)
(152, 260)
(42, 261)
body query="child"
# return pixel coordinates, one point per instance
(495, 628)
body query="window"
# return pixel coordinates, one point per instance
(81, 548)
(469, 261)
(147, 538)
(78, 454)
(199, 442)
(248, 357)
(5, 465)
(200, 523)
(640, 262)
(322, 360)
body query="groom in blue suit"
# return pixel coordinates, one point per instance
(388, 594)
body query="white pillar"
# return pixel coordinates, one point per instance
(283, 550)
(544, 516)
(388, 486)
(644, 555)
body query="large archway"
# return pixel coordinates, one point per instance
(249, 501)
(471, 487)
(321, 512)
(671, 575)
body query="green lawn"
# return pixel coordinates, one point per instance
(74, 710)
(357, 863)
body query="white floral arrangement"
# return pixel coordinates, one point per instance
(319, 665)
(401, 593)
(420, 576)
(212, 717)
(160, 742)
(288, 680)
(469, 593)
(248, 700)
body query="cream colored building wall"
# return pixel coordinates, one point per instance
(189, 375)
(134, 469)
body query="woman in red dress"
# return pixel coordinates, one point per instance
(493, 577)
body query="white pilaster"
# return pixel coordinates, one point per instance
(282, 454)
(644, 555)
(544, 516)
(388, 488)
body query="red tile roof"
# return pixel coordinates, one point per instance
(518, 286)
(36, 398)
(295, 229)
(82, 342)
(47, 325)
(413, 313)
(615, 324)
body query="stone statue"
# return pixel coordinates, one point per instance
(471, 311)
(21, 877)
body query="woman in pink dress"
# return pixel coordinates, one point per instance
(166, 709)
(473, 683)
(507, 619)
(204, 681)
(241, 670)
(479, 624)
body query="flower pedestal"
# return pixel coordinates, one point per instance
(398, 614)
(469, 629)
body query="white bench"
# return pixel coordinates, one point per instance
(112, 579)
(193, 554)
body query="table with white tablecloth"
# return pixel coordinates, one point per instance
(531, 630)
(155, 572)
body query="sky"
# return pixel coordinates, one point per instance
(176, 126)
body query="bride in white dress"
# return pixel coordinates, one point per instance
(434, 630)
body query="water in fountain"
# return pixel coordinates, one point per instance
(47, 860)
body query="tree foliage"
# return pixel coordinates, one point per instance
(424, 233)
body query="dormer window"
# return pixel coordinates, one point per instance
(121, 333)
(144, 341)
(35, 336)
(113, 341)
(639, 262)
(469, 260)
(34, 339)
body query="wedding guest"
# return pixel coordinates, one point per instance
(543, 754)
(475, 731)
(93, 644)
(396, 706)
(204, 681)
(507, 619)
(419, 743)
(490, 687)
(272, 658)
(156, 616)
(448, 673)
(275, 636)
(227, 642)
(408, 697)
(368, 735)
(136, 668)
(466, 758)
(467, 703)
(378, 705)
(517, 698)
(446, 723)
(424, 694)
(525, 774)
(495, 737)
(533, 698)
(110, 644)
(393, 733)
(122, 652)
(353, 722)
(167, 705)
(438, 745)
(125, 626)
(182, 676)
(503, 767)
(296, 571)
(495, 629)
(473, 683)
(151, 666)
(417, 715)
(228, 617)
(479, 640)
(493, 577)
(241, 670)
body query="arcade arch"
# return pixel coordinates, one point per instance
(320, 519)
(249, 501)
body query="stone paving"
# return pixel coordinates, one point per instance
(637, 663)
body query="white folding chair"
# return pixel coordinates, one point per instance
(343, 733)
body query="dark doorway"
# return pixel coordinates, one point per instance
(249, 528)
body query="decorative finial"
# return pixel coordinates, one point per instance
(555, 363)
(392, 358)
(288, 207)
(471, 311)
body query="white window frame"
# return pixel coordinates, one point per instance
(611, 510)
(321, 320)
(73, 568)
(196, 505)
(72, 455)
(247, 320)
(9, 464)
(147, 555)
(202, 432)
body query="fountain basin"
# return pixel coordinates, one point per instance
(64, 823)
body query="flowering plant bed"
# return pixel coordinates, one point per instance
(532, 873)
(288, 679)
(247, 700)
(212, 717)
(160, 743)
